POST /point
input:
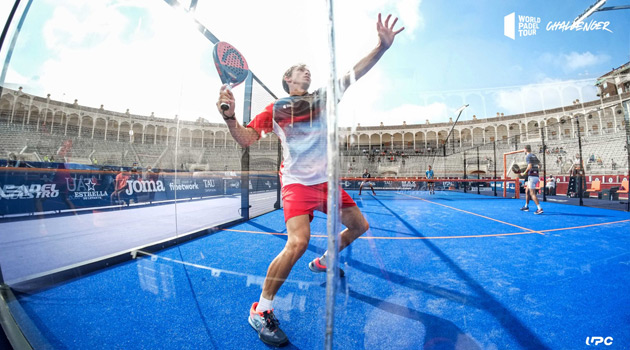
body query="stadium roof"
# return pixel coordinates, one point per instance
(613, 72)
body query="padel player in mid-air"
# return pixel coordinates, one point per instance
(299, 120)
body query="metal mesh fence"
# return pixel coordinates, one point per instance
(578, 143)
(583, 153)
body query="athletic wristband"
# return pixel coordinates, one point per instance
(225, 117)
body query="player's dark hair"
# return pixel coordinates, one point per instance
(288, 73)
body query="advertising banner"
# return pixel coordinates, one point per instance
(35, 191)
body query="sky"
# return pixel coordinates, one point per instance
(145, 56)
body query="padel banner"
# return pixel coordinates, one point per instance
(32, 191)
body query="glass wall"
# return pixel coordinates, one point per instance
(110, 135)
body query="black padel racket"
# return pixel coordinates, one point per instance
(231, 66)
(516, 169)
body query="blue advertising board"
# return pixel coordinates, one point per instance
(43, 190)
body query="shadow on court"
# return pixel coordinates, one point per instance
(522, 334)
(436, 327)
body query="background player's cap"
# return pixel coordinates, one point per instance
(528, 148)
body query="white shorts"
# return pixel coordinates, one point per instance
(532, 182)
(366, 183)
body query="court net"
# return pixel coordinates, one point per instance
(409, 188)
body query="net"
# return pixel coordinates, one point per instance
(413, 188)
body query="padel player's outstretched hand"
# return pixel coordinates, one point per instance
(386, 35)
(386, 32)
(226, 96)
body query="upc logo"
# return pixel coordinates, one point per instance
(599, 340)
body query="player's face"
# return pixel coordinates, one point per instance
(300, 76)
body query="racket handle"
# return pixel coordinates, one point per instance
(225, 106)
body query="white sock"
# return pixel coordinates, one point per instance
(539, 207)
(264, 304)
(526, 205)
(322, 259)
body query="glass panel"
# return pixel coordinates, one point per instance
(115, 150)
(76, 99)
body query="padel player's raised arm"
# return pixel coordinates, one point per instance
(386, 35)
(244, 136)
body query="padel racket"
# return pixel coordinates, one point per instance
(231, 66)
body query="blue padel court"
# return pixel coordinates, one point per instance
(444, 271)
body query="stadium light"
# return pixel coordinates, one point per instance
(459, 113)
(589, 11)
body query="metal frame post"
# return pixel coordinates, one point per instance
(544, 149)
(478, 171)
(494, 161)
(465, 189)
(580, 176)
(333, 217)
(247, 116)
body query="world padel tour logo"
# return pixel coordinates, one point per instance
(524, 26)
(527, 25)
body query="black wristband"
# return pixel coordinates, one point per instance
(225, 117)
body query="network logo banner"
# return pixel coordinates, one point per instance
(527, 26)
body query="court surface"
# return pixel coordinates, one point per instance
(444, 271)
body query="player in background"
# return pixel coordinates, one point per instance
(430, 184)
(366, 175)
(532, 179)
